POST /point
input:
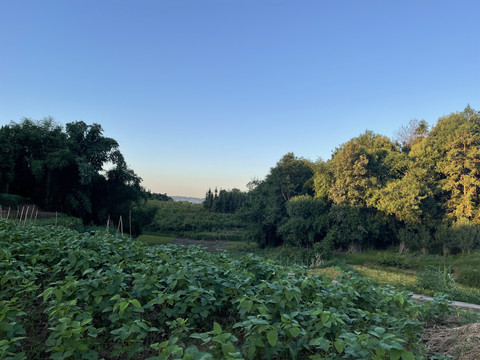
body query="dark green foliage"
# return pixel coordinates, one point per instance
(469, 277)
(394, 260)
(159, 197)
(104, 296)
(264, 211)
(12, 201)
(68, 222)
(420, 192)
(437, 279)
(188, 220)
(61, 169)
(307, 223)
(226, 201)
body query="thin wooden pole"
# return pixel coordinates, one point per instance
(26, 215)
(8, 214)
(21, 215)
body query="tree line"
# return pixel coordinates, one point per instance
(73, 169)
(420, 190)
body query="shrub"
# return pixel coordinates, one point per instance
(469, 277)
(12, 201)
(437, 279)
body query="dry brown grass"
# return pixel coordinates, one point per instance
(463, 342)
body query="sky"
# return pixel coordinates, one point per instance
(212, 93)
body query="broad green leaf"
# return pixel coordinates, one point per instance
(395, 354)
(272, 337)
(408, 356)
(123, 305)
(136, 303)
(217, 329)
(294, 331)
(228, 348)
(339, 346)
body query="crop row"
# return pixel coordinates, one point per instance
(66, 295)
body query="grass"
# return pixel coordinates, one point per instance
(331, 272)
(386, 276)
(156, 239)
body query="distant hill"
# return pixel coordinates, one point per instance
(192, 200)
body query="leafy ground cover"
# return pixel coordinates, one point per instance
(193, 221)
(69, 295)
(155, 239)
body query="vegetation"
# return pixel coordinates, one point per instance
(69, 295)
(418, 192)
(64, 170)
(188, 220)
(225, 201)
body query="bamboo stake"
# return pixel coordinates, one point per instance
(36, 214)
(108, 223)
(21, 215)
(26, 216)
(8, 214)
(120, 224)
(130, 222)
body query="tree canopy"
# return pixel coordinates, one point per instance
(65, 169)
(375, 191)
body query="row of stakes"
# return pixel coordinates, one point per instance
(22, 219)
(20, 214)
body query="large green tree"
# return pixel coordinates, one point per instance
(63, 169)
(360, 169)
(455, 141)
(265, 208)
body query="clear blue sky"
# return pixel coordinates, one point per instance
(213, 93)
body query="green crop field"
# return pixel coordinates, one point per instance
(156, 239)
(66, 295)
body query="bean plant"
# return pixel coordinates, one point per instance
(70, 295)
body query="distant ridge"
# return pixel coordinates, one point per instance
(192, 200)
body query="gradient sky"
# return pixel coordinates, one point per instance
(206, 93)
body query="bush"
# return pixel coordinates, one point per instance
(437, 279)
(69, 222)
(12, 201)
(469, 277)
(395, 260)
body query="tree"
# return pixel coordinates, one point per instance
(408, 134)
(456, 142)
(360, 169)
(265, 208)
(308, 221)
(63, 170)
(208, 202)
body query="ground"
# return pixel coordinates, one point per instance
(462, 342)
